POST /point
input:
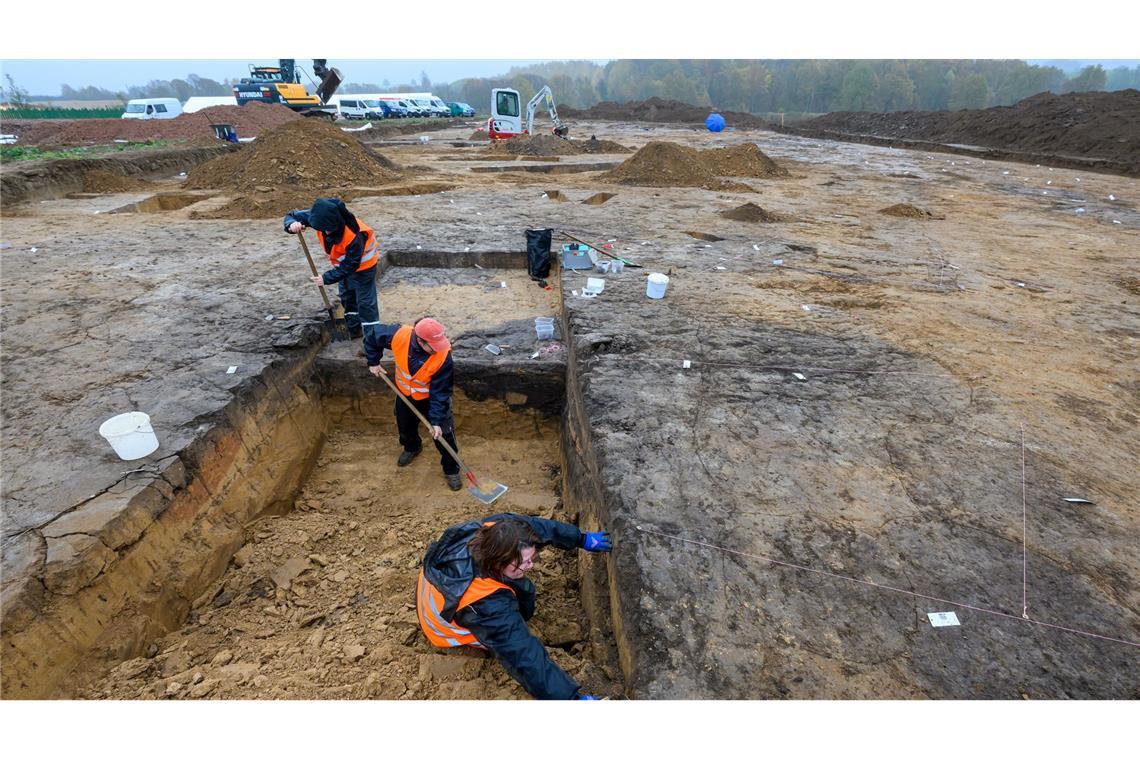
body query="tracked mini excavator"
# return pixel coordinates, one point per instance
(506, 121)
(282, 84)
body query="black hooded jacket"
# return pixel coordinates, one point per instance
(331, 216)
(499, 619)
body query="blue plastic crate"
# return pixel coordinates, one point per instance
(575, 256)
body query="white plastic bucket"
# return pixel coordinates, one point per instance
(130, 435)
(657, 285)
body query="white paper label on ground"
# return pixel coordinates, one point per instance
(502, 284)
(798, 376)
(940, 619)
(686, 364)
(231, 370)
(805, 307)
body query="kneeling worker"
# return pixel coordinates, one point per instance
(424, 375)
(472, 591)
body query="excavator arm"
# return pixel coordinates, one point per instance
(545, 93)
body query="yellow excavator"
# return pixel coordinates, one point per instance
(282, 84)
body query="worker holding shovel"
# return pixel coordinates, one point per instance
(425, 379)
(351, 248)
(473, 591)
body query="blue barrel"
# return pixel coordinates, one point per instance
(715, 122)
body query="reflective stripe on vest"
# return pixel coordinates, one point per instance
(429, 602)
(368, 258)
(418, 386)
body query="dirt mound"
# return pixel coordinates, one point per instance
(303, 153)
(103, 181)
(907, 211)
(266, 205)
(750, 212)
(1089, 125)
(661, 111)
(480, 134)
(537, 145)
(594, 145)
(745, 160)
(666, 164)
(249, 121)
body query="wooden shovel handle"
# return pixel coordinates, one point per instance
(312, 266)
(423, 419)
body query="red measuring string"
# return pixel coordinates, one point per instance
(885, 587)
(1024, 560)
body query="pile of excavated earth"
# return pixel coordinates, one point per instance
(286, 167)
(250, 120)
(661, 111)
(667, 164)
(551, 145)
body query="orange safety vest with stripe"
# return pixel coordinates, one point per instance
(368, 258)
(439, 631)
(418, 386)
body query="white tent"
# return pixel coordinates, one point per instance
(197, 103)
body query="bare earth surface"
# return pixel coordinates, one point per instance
(924, 344)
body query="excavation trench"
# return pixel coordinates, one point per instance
(282, 556)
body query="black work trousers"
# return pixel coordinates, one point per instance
(409, 426)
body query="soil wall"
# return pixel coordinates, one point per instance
(126, 566)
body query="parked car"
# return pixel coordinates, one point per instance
(379, 109)
(353, 108)
(460, 109)
(153, 108)
(415, 109)
(398, 109)
(439, 108)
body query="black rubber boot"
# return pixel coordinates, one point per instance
(454, 482)
(406, 457)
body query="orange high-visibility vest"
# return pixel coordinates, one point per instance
(418, 386)
(429, 602)
(370, 256)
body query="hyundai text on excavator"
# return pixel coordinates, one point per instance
(506, 121)
(282, 84)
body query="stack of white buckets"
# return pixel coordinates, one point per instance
(130, 435)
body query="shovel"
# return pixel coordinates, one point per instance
(336, 313)
(627, 262)
(485, 491)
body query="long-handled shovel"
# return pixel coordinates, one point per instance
(337, 324)
(485, 491)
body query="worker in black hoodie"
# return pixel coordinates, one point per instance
(473, 591)
(351, 247)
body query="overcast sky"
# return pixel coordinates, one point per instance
(45, 77)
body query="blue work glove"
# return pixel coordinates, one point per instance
(588, 698)
(596, 542)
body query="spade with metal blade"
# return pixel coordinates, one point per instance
(337, 325)
(485, 491)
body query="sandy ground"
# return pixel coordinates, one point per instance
(1016, 306)
(320, 603)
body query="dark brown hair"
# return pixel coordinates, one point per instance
(498, 545)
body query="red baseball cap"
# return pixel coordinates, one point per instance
(432, 332)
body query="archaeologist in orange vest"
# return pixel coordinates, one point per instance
(473, 591)
(425, 375)
(352, 250)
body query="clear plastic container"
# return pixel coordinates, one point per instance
(544, 327)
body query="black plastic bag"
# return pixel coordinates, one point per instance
(538, 253)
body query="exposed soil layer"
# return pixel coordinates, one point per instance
(318, 604)
(1088, 125)
(750, 212)
(276, 202)
(660, 110)
(302, 153)
(103, 181)
(250, 120)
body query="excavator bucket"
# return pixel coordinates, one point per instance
(329, 85)
(562, 130)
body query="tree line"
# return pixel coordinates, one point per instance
(753, 86)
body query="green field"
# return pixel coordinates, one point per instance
(106, 112)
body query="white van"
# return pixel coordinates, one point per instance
(153, 108)
(358, 108)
